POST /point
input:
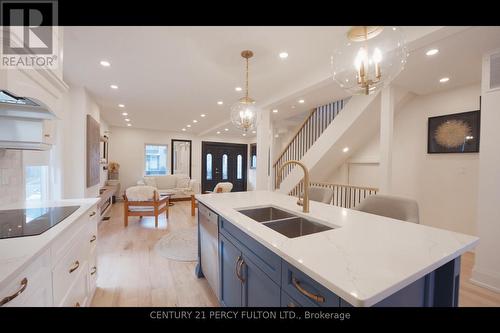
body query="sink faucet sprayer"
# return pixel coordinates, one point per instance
(305, 201)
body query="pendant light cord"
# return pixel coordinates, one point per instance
(246, 95)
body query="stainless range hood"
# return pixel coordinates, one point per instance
(22, 123)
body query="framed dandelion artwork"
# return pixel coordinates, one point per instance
(454, 133)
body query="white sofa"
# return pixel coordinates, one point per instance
(180, 186)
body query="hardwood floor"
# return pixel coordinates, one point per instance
(131, 273)
(470, 294)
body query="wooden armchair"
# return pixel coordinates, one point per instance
(144, 201)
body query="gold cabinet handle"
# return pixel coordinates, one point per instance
(93, 271)
(92, 214)
(314, 297)
(75, 267)
(239, 265)
(94, 237)
(24, 285)
(77, 304)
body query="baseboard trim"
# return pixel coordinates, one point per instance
(487, 281)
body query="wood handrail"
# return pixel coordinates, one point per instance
(347, 196)
(322, 184)
(295, 135)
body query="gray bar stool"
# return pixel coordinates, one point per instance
(390, 206)
(321, 194)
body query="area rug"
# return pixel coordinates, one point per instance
(180, 245)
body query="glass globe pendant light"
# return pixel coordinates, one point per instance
(370, 57)
(244, 112)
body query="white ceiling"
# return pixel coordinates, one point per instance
(168, 76)
(459, 58)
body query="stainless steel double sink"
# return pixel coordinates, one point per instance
(285, 223)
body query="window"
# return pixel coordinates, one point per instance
(209, 166)
(37, 182)
(155, 160)
(224, 166)
(239, 167)
(253, 156)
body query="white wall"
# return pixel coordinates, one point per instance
(78, 103)
(252, 173)
(487, 265)
(445, 185)
(126, 146)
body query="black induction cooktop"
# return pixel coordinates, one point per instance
(31, 221)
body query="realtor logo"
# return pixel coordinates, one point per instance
(29, 34)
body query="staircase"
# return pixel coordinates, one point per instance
(307, 134)
(319, 141)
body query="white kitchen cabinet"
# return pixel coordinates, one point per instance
(32, 287)
(65, 272)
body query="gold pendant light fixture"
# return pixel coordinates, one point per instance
(370, 57)
(244, 112)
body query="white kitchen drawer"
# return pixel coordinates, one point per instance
(68, 238)
(33, 286)
(78, 293)
(93, 214)
(92, 274)
(92, 236)
(69, 267)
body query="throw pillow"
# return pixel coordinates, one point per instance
(150, 181)
(182, 182)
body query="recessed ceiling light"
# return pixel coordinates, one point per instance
(129, 124)
(254, 132)
(113, 86)
(195, 121)
(127, 120)
(218, 132)
(283, 55)
(275, 110)
(188, 125)
(238, 89)
(105, 63)
(444, 79)
(121, 105)
(244, 134)
(220, 102)
(345, 150)
(293, 106)
(202, 115)
(226, 129)
(301, 101)
(124, 114)
(184, 130)
(432, 52)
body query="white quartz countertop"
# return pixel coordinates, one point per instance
(16, 253)
(365, 259)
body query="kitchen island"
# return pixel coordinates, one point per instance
(363, 260)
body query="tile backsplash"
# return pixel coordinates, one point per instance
(11, 176)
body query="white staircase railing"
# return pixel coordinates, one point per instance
(310, 130)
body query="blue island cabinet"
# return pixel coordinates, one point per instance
(243, 283)
(252, 275)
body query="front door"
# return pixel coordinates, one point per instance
(224, 162)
